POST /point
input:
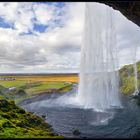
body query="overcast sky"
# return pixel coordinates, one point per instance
(46, 36)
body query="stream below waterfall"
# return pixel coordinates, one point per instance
(115, 123)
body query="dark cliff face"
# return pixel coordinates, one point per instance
(130, 9)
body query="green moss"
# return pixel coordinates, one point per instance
(6, 115)
(127, 83)
(2, 87)
(15, 122)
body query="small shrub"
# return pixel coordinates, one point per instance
(43, 116)
(35, 121)
(21, 124)
(21, 111)
(76, 132)
(13, 115)
(6, 116)
(25, 131)
(7, 124)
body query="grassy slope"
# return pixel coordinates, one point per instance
(46, 86)
(13, 83)
(127, 78)
(16, 123)
(34, 88)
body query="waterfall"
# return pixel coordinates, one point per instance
(135, 72)
(98, 85)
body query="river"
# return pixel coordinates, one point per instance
(116, 123)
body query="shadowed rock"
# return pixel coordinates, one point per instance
(130, 9)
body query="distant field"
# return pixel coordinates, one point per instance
(36, 78)
(34, 84)
(15, 83)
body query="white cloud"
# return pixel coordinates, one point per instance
(59, 46)
(8, 11)
(43, 13)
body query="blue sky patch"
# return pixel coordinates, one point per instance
(58, 4)
(5, 24)
(39, 27)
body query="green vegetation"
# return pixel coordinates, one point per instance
(14, 83)
(25, 90)
(15, 122)
(47, 87)
(127, 79)
(2, 87)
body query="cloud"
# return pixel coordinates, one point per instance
(48, 36)
(43, 13)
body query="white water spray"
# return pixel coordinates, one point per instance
(98, 87)
(135, 72)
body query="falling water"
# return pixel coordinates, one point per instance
(135, 72)
(98, 87)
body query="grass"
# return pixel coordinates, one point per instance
(15, 83)
(38, 84)
(127, 83)
(45, 86)
(15, 122)
(35, 86)
(128, 86)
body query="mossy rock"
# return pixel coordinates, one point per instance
(15, 122)
(138, 100)
(35, 120)
(43, 116)
(13, 115)
(76, 132)
(6, 115)
(3, 103)
(21, 111)
(7, 124)
(22, 124)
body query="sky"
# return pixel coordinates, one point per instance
(42, 37)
